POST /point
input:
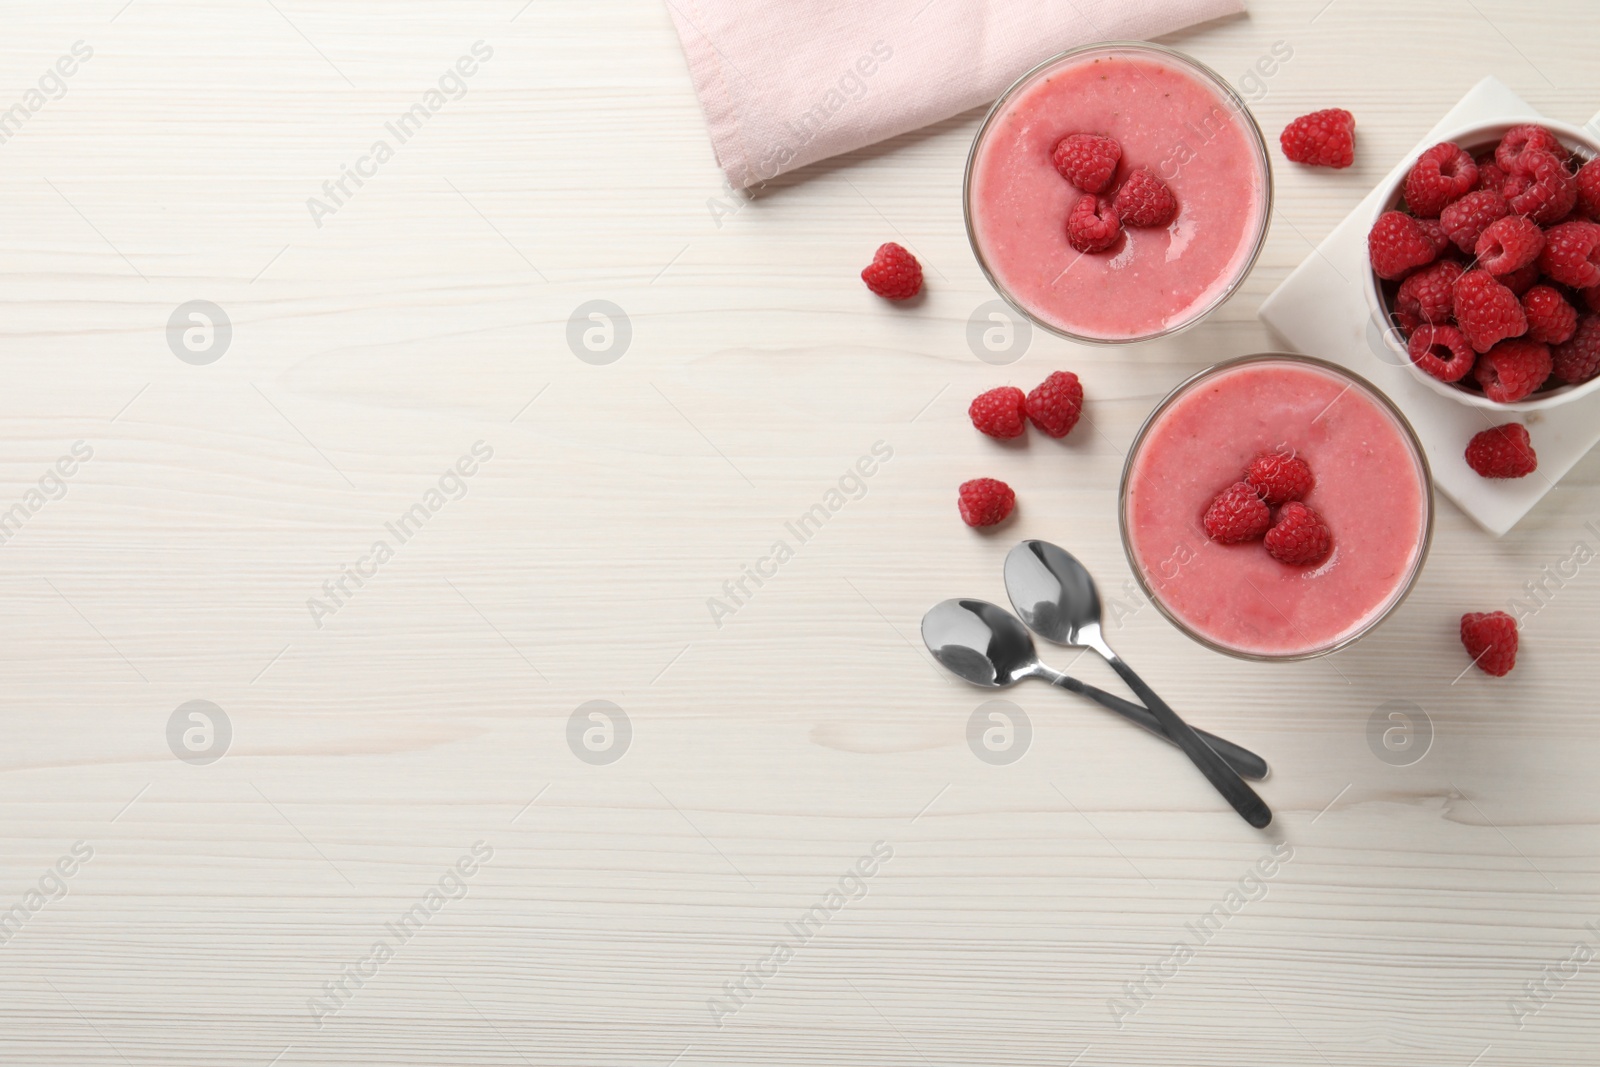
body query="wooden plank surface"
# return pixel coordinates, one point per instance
(375, 742)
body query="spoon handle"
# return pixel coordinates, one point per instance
(1241, 759)
(1234, 789)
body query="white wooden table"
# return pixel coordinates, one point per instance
(230, 909)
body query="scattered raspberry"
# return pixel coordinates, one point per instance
(1589, 188)
(1093, 224)
(1572, 254)
(1490, 638)
(1237, 514)
(1522, 279)
(1397, 245)
(1520, 139)
(1087, 160)
(1055, 403)
(1502, 452)
(1509, 244)
(1429, 294)
(1486, 311)
(1512, 370)
(1442, 352)
(1279, 477)
(1321, 139)
(1441, 174)
(894, 273)
(1578, 358)
(1467, 218)
(1550, 318)
(1539, 186)
(1299, 536)
(999, 412)
(1145, 200)
(985, 501)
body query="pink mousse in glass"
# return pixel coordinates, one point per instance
(1372, 488)
(1172, 116)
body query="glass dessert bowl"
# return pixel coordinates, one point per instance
(1372, 488)
(1171, 115)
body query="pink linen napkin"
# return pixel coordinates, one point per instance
(785, 83)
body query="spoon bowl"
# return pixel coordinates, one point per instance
(986, 645)
(1056, 597)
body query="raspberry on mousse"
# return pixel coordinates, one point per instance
(1236, 515)
(1299, 537)
(1093, 224)
(1279, 477)
(1087, 160)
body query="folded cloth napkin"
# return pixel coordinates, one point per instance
(788, 82)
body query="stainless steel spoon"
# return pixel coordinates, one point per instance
(1056, 597)
(986, 645)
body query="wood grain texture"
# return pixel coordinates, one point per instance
(431, 711)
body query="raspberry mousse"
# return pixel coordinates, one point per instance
(1107, 134)
(1319, 450)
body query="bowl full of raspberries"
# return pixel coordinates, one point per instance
(1485, 265)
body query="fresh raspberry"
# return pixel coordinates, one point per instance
(1055, 403)
(1145, 200)
(1321, 139)
(1524, 138)
(1440, 238)
(1522, 279)
(985, 501)
(1093, 224)
(1279, 477)
(999, 412)
(1441, 174)
(1486, 311)
(1429, 294)
(1591, 297)
(1442, 352)
(1490, 638)
(1512, 370)
(1589, 188)
(1539, 186)
(894, 273)
(1550, 318)
(1237, 514)
(1572, 254)
(1397, 245)
(1502, 452)
(1490, 174)
(1509, 244)
(1299, 536)
(1578, 358)
(1467, 218)
(1087, 160)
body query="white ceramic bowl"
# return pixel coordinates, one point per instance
(1475, 139)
